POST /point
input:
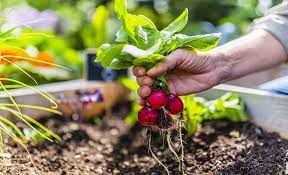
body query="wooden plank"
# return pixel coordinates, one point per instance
(267, 110)
(112, 93)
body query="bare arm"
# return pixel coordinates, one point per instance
(256, 51)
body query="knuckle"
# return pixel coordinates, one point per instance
(138, 79)
(139, 91)
(144, 81)
(182, 54)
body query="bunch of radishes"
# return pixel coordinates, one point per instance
(160, 109)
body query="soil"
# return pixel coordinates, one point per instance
(220, 147)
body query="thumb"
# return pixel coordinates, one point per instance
(168, 63)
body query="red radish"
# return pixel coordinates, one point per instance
(175, 105)
(157, 99)
(148, 116)
(165, 120)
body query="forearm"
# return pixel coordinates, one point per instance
(256, 51)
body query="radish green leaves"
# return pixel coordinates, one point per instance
(140, 43)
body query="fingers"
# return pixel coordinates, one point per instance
(145, 81)
(139, 71)
(140, 101)
(171, 87)
(168, 63)
(144, 91)
(161, 68)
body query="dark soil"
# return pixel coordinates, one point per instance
(115, 148)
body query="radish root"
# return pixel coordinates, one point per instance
(180, 159)
(169, 142)
(182, 148)
(154, 156)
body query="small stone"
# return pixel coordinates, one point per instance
(115, 171)
(124, 151)
(114, 132)
(99, 170)
(74, 126)
(259, 132)
(234, 134)
(67, 136)
(98, 157)
(126, 163)
(103, 141)
(77, 156)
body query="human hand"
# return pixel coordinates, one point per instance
(186, 72)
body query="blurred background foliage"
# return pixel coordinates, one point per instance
(74, 25)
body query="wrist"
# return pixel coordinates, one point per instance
(256, 51)
(223, 64)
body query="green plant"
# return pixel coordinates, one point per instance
(197, 110)
(10, 57)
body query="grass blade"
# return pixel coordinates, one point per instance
(35, 60)
(12, 125)
(10, 97)
(22, 70)
(33, 107)
(33, 88)
(23, 117)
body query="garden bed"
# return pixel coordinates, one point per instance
(220, 148)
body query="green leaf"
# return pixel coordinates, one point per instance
(131, 22)
(198, 42)
(107, 52)
(149, 61)
(7, 32)
(137, 52)
(168, 46)
(160, 82)
(176, 26)
(121, 35)
(194, 123)
(119, 64)
(146, 37)
(120, 8)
